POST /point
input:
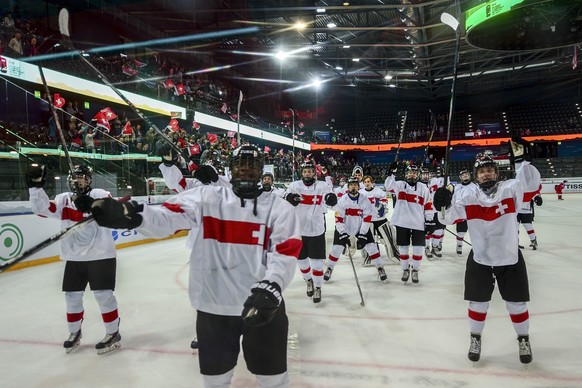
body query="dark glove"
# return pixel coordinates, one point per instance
(442, 197)
(330, 199)
(430, 225)
(83, 203)
(362, 241)
(117, 215)
(393, 168)
(344, 239)
(169, 155)
(36, 176)
(538, 200)
(261, 306)
(293, 199)
(206, 174)
(519, 150)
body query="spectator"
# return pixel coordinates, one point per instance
(15, 45)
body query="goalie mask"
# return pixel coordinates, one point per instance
(80, 179)
(486, 173)
(246, 167)
(357, 173)
(411, 175)
(308, 173)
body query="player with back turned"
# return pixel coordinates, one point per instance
(243, 241)
(490, 210)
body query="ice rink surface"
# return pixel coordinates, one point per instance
(406, 336)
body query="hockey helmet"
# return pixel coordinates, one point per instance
(353, 185)
(80, 179)
(411, 174)
(424, 175)
(358, 172)
(486, 172)
(267, 181)
(308, 172)
(246, 167)
(465, 176)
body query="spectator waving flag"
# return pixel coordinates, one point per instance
(127, 129)
(139, 64)
(168, 84)
(195, 125)
(224, 107)
(128, 70)
(174, 125)
(194, 150)
(212, 138)
(231, 133)
(267, 149)
(101, 121)
(109, 114)
(233, 142)
(58, 101)
(179, 89)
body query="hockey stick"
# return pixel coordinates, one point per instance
(49, 241)
(67, 42)
(403, 124)
(433, 119)
(362, 303)
(457, 236)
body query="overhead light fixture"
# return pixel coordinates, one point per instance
(320, 10)
(346, 4)
(356, 59)
(339, 68)
(300, 26)
(316, 83)
(388, 77)
(331, 25)
(281, 55)
(346, 46)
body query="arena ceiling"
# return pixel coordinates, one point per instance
(384, 46)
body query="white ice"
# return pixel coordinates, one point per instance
(406, 336)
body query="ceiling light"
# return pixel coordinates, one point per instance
(356, 59)
(391, 86)
(300, 26)
(339, 68)
(331, 25)
(346, 46)
(388, 77)
(316, 83)
(346, 4)
(281, 55)
(320, 10)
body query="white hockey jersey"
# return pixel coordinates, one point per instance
(312, 208)
(231, 247)
(353, 216)
(378, 200)
(178, 183)
(492, 219)
(435, 183)
(412, 203)
(89, 242)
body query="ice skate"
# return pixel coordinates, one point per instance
(317, 295)
(109, 343)
(327, 274)
(475, 348)
(459, 250)
(525, 355)
(428, 252)
(405, 275)
(534, 244)
(309, 283)
(194, 344)
(436, 252)
(382, 274)
(414, 276)
(72, 342)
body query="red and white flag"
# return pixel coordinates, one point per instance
(212, 138)
(195, 125)
(301, 125)
(224, 107)
(281, 152)
(234, 117)
(231, 133)
(101, 121)
(233, 142)
(180, 89)
(168, 84)
(174, 125)
(58, 101)
(109, 114)
(194, 150)
(267, 149)
(575, 58)
(139, 64)
(127, 70)
(127, 129)
(301, 133)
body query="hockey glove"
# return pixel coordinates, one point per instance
(429, 225)
(261, 306)
(344, 239)
(206, 174)
(393, 168)
(83, 203)
(442, 198)
(538, 200)
(330, 199)
(169, 155)
(117, 215)
(293, 199)
(362, 241)
(36, 176)
(519, 150)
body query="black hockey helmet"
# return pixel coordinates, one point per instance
(308, 165)
(80, 179)
(267, 185)
(411, 174)
(465, 176)
(485, 161)
(214, 159)
(246, 167)
(424, 175)
(353, 185)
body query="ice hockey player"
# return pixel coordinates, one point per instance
(89, 254)
(243, 241)
(461, 226)
(429, 222)
(353, 219)
(490, 213)
(310, 198)
(435, 243)
(525, 216)
(411, 209)
(559, 188)
(267, 185)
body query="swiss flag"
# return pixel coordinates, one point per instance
(234, 116)
(194, 150)
(127, 70)
(267, 149)
(233, 142)
(224, 107)
(139, 64)
(58, 101)
(281, 152)
(101, 121)
(230, 133)
(180, 89)
(127, 129)
(168, 84)
(211, 138)
(195, 125)
(174, 126)
(109, 114)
